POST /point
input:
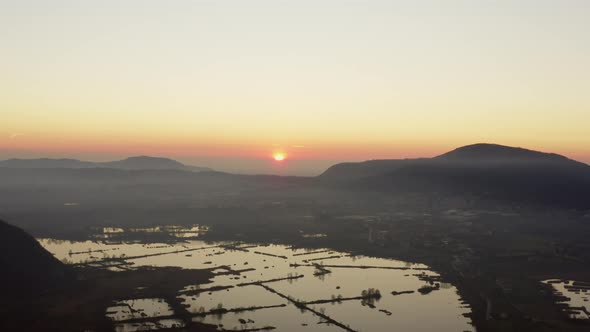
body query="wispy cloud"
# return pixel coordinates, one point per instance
(298, 146)
(15, 135)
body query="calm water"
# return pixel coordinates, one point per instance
(578, 294)
(346, 276)
(141, 309)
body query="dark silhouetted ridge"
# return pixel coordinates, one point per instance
(345, 172)
(46, 163)
(485, 170)
(499, 153)
(131, 163)
(27, 268)
(144, 162)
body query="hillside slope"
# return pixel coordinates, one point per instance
(484, 170)
(27, 268)
(131, 163)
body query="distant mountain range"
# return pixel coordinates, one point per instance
(490, 170)
(131, 163)
(481, 170)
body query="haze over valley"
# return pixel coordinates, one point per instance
(326, 165)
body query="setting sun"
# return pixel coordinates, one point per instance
(279, 156)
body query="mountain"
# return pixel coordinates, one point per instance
(46, 163)
(494, 153)
(144, 162)
(485, 170)
(348, 172)
(131, 163)
(27, 267)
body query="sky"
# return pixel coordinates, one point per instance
(226, 84)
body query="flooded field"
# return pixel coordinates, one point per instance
(174, 231)
(137, 312)
(575, 295)
(257, 287)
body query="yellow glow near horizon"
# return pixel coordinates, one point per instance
(279, 156)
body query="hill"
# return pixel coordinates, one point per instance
(494, 153)
(484, 170)
(27, 268)
(131, 163)
(144, 162)
(46, 163)
(348, 172)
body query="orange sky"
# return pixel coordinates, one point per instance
(308, 159)
(226, 84)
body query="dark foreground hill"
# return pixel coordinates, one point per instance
(483, 170)
(131, 163)
(26, 267)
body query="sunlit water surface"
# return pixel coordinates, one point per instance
(346, 276)
(578, 294)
